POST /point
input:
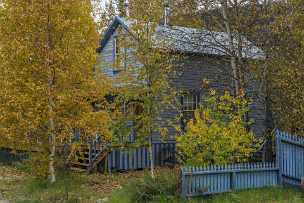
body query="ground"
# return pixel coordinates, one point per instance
(17, 186)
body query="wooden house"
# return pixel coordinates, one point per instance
(204, 58)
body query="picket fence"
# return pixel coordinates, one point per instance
(288, 169)
(138, 158)
(224, 178)
(290, 158)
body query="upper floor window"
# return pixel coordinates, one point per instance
(116, 55)
(189, 103)
(116, 47)
(120, 56)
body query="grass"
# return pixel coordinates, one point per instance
(19, 187)
(262, 195)
(165, 190)
(132, 187)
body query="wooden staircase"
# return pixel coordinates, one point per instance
(89, 156)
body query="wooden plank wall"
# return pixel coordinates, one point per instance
(138, 158)
(8, 156)
(290, 157)
(224, 178)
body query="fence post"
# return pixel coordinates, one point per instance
(232, 180)
(279, 156)
(184, 184)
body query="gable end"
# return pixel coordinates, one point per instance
(110, 31)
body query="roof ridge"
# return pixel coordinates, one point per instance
(192, 40)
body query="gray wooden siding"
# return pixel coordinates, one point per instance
(192, 70)
(106, 58)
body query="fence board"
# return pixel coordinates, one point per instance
(223, 178)
(288, 169)
(290, 157)
(138, 158)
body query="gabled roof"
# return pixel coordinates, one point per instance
(110, 30)
(189, 40)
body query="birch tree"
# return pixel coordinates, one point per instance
(47, 84)
(104, 13)
(286, 66)
(147, 95)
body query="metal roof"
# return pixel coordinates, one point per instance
(190, 40)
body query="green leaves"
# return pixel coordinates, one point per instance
(218, 134)
(286, 73)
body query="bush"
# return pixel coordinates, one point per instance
(161, 189)
(219, 133)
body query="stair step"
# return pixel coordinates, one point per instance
(98, 159)
(78, 169)
(82, 158)
(80, 164)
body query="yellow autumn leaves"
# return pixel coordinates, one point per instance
(218, 134)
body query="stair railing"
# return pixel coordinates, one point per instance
(96, 148)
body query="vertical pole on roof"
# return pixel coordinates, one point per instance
(127, 12)
(166, 14)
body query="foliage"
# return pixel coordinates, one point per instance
(218, 134)
(104, 14)
(145, 10)
(186, 13)
(182, 12)
(143, 88)
(162, 188)
(286, 72)
(47, 86)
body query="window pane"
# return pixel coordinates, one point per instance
(189, 103)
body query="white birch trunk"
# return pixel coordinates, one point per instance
(52, 146)
(51, 81)
(151, 158)
(233, 58)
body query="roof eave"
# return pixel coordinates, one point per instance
(109, 32)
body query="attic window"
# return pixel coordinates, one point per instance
(120, 56)
(116, 46)
(116, 56)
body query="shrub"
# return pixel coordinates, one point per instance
(219, 133)
(163, 187)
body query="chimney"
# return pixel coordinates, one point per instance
(166, 13)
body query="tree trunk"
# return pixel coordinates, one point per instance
(52, 145)
(151, 158)
(51, 81)
(233, 58)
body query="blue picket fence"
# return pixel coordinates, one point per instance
(7, 156)
(224, 178)
(139, 158)
(288, 169)
(290, 157)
